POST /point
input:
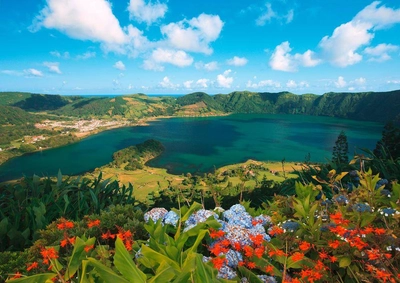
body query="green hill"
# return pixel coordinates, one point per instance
(372, 106)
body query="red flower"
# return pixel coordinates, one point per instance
(248, 251)
(257, 239)
(72, 240)
(333, 259)
(297, 256)
(323, 255)
(218, 262)
(379, 231)
(214, 234)
(237, 246)
(88, 248)
(269, 269)
(33, 265)
(334, 244)
(107, 235)
(16, 275)
(373, 254)
(65, 224)
(275, 230)
(93, 223)
(304, 246)
(63, 243)
(251, 265)
(258, 252)
(48, 254)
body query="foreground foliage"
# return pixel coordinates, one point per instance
(352, 236)
(34, 203)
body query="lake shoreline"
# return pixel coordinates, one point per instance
(82, 135)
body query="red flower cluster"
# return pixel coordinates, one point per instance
(64, 224)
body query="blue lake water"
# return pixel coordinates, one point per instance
(200, 144)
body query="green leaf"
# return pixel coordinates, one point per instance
(203, 272)
(249, 275)
(106, 273)
(124, 263)
(344, 261)
(77, 255)
(157, 257)
(3, 226)
(35, 278)
(164, 273)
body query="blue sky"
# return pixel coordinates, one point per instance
(219, 46)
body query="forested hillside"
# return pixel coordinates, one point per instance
(372, 106)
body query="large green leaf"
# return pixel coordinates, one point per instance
(249, 275)
(106, 273)
(157, 258)
(203, 272)
(77, 255)
(164, 273)
(124, 263)
(38, 278)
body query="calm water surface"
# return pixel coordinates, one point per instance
(198, 144)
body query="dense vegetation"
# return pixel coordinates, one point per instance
(373, 106)
(134, 157)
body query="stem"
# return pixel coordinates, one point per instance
(352, 273)
(284, 265)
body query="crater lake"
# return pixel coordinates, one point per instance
(198, 145)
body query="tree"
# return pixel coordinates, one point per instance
(389, 145)
(340, 150)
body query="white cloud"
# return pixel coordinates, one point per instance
(380, 52)
(86, 20)
(203, 83)
(341, 48)
(263, 83)
(340, 83)
(282, 60)
(360, 81)
(159, 56)
(119, 65)
(11, 72)
(380, 17)
(223, 79)
(237, 61)
(289, 16)
(57, 54)
(53, 67)
(33, 73)
(194, 35)
(211, 66)
(393, 82)
(188, 84)
(291, 84)
(166, 83)
(306, 59)
(148, 13)
(86, 55)
(267, 16)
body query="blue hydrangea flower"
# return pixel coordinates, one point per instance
(198, 217)
(155, 214)
(226, 272)
(362, 207)
(388, 211)
(233, 258)
(386, 193)
(237, 215)
(341, 199)
(290, 225)
(263, 219)
(381, 182)
(171, 218)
